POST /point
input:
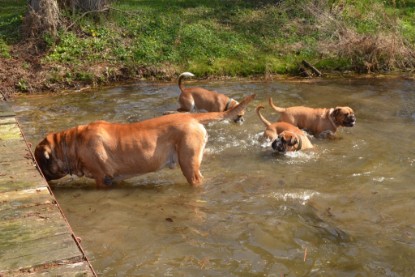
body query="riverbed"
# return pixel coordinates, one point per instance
(344, 208)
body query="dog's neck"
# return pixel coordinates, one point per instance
(331, 119)
(65, 156)
(228, 104)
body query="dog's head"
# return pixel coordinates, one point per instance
(343, 116)
(47, 155)
(239, 118)
(287, 141)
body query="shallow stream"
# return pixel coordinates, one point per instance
(345, 208)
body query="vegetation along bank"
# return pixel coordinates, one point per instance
(50, 45)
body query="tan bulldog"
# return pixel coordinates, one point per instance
(284, 136)
(320, 122)
(110, 152)
(196, 98)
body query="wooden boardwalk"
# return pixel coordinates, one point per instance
(35, 238)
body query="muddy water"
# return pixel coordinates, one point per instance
(346, 208)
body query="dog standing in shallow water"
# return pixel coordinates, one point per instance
(320, 122)
(284, 136)
(196, 98)
(109, 152)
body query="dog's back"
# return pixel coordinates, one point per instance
(199, 98)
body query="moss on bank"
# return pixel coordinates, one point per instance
(135, 39)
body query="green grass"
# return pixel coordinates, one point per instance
(216, 37)
(206, 37)
(11, 15)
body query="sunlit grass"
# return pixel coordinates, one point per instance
(233, 37)
(11, 15)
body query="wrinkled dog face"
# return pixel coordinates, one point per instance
(344, 116)
(286, 141)
(240, 117)
(52, 167)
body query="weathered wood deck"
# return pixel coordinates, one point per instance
(35, 238)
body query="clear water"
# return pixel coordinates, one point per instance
(346, 208)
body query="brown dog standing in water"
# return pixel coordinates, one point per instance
(320, 122)
(196, 98)
(284, 136)
(109, 152)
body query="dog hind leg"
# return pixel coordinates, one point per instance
(190, 157)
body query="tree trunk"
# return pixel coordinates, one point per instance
(42, 19)
(84, 5)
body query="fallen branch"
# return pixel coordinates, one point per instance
(82, 15)
(313, 68)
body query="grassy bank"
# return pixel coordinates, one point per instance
(222, 38)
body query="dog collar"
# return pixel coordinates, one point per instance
(228, 104)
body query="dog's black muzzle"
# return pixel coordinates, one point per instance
(349, 121)
(239, 119)
(278, 146)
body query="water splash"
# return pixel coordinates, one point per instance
(303, 196)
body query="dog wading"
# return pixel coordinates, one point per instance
(109, 152)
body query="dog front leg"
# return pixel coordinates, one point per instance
(104, 181)
(328, 134)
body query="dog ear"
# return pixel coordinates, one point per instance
(293, 141)
(337, 111)
(46, 153)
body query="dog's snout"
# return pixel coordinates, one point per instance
(350, 120)
(239, 119)
(274, 145)
(278, 145)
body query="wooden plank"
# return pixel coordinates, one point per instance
(8, 120)
(17, 232)
(14, 153)
(35, 237)
(10, 131)
(47, 251)
(18, 200)
(16, 144)
(12, 185)
(38, 247)
(6, 110)
(80, 269)
(20, 165)
(13, 149)
(17, 175)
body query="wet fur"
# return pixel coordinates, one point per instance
(109, 152)
(320, 122)
(284, 132)
(197, 98)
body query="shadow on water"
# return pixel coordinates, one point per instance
(345, 208)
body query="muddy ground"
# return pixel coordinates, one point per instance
(25, 72)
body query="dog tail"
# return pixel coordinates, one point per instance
(277, 109)
(217, 116)
(263, 119)
(181, 76)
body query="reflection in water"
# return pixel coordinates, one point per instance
(344, 208)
